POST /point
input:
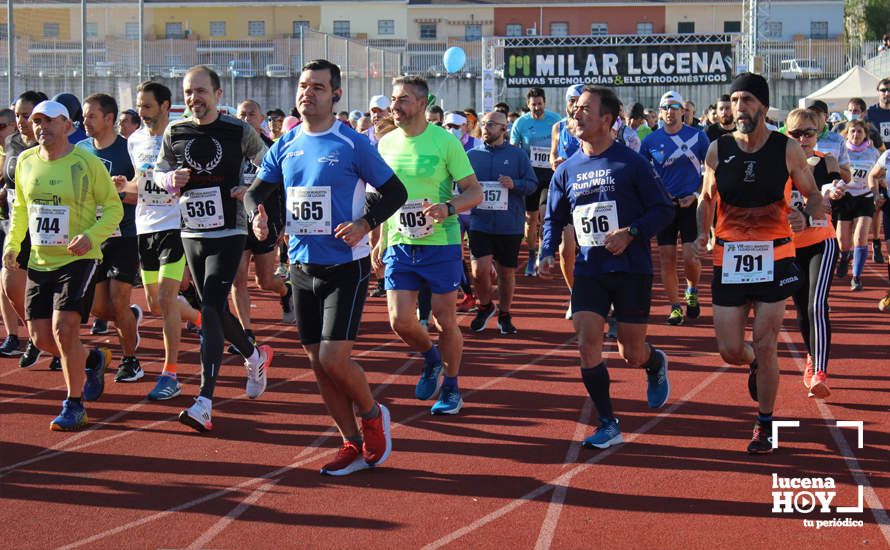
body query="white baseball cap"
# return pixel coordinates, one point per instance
(671, 97)
(51, 109)
(379, 102)
(455, 118)
(574, 91)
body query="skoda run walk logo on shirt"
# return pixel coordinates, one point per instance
(202, 150)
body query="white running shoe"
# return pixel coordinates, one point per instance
(256, 375)
(198, 415)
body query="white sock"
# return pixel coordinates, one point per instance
(255, 360)
(206, 403)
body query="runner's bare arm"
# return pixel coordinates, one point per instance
(470, 194)
(705, 213)
(554, 143)
(875, 177)
(802, 176)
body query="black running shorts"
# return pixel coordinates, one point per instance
(629, 293)
(329, 299)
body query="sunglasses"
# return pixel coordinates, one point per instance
(884, 90)
(670, 106)
(806, 132)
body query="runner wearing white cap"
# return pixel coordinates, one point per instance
(456, 123)
(379, 109)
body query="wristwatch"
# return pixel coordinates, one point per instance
(451, 210)
(634, 231)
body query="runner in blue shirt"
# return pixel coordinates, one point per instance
(677, 152)
(616, 203)
(532, 133)
(324, 165)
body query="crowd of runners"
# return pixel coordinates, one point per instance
(332, 207)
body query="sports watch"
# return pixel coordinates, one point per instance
(451, 210)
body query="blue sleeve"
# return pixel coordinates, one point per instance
(703, 144)
(514, 133)
(371, 167)
(644, 147)
(656, 202)
(270, 168)
(558, 213)
(527, 182)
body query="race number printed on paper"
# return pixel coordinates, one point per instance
(540, 157)
(412, 222)
(309, 211)
(748, 262)
(150, 193)
(202, 208)
(48, 225)
(494, 196)
(594, 221)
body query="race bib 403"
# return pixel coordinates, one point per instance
(411, 220)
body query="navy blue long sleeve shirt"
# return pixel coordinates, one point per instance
(489, 163)
(616, 175)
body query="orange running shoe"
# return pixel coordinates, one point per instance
(808, 372)
(349, 459)
(819, 389)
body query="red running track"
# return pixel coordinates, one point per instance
(506, 473)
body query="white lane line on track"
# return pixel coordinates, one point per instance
(871, 497)
(566, 478)
(236, 512)
(312, 457)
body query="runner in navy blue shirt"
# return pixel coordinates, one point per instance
(616, 203)
(324, 165)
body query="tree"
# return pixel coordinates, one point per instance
(866, 19)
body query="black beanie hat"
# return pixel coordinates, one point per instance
(754, 84)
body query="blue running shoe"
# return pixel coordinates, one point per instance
(94, 385)
(450, 401)
(606, 435)
(72, 418)
(166, 387)
(430, 381)
(531, 268)
(659, 385)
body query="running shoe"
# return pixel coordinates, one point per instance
(72, 418)
(855, 284)
(530, 268)
(752, 380)
(256, 375)
(94, 385)
(483, 316)
(843, 267)
(607, 434)
(281, 271)
(100, 326)
(379, 290)
(430, 381)
(348, 460)
(659, 387)
(569, 311)
(10, 346)
(197, 416)
(167, 387)
(676, 316)
(612, 334)
(883, 304)
(693, 310)
(808, 372)
(32, 354)
(287, 305)
(877, 254)
(55, 364)
(137, 313)
(377, 438)
(762, 439)
(819, 388)
(505, 323)
(450, 401)
(129, 371)
(467, 305)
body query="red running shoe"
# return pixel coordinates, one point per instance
(467, 304)
(819, 389)
(349, 459)
(808, 372)
(377, 438)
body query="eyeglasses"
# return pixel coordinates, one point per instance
(803, 132)
(491, 124)
(670, 106)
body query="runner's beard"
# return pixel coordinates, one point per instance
(748, 127)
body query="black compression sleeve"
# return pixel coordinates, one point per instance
(392, 196)
(256, 194)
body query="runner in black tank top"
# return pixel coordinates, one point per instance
(747, 182)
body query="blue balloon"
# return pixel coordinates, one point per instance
(454, 59)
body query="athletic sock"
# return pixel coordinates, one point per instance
(691, 290)
(432, 355)
(449, 382)
(372, 414)
(75, 400)
(678, 305)
(846, 255)
(357, 439)
(860, 253)
(596, 380)
(169, 370)
(763, 418)
(254, 360)
(653, 363)
(533, 254)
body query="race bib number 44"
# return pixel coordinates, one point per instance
(202, 208)
(48, 225)
(150, 194)
(540, 157)
(748, 262)
(494, 196)
(308, 211)
(594, 221)
(412, 222)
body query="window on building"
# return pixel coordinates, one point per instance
(599, 29)
(50, 30)
(818, 29)
(732, 26)
(428, 31)
(173, 30)
(3, 31)
(473, 32)
(773, 29)
(91, 30)
(341, 28)
(217, 28)
(131, 30)
(559, 28)
(644, 28)
(686, 27)
(297, 25)
(256, 28)
(386, 26)
(513, 29)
